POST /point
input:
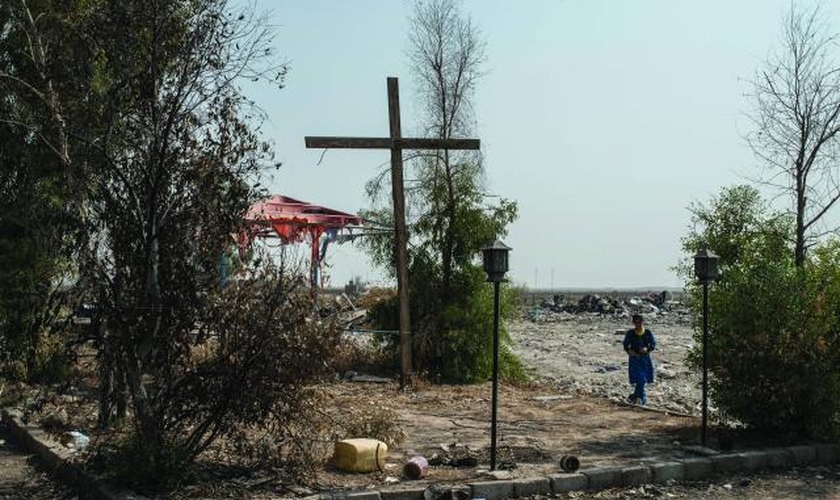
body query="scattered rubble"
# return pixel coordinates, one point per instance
(581, 353)
(557, 308)
(454, 455)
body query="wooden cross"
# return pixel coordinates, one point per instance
(396, 143)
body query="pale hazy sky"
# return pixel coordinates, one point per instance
(602, 119)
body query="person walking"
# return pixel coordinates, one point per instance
(638, 343)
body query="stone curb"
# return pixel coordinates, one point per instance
(599, 478)
(56, 459)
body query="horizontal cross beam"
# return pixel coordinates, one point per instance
(388, 143)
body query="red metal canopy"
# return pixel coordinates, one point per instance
(295, 221)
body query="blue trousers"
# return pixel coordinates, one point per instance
(641, 396)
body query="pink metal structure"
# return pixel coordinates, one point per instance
(295, 221)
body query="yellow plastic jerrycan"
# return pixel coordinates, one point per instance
(360, 455)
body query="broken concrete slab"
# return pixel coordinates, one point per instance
(697, 468)
(728, 462)
(827, 453)
(402, 494)
(779, 458)
(754, 460)
(491, 490)
(803, 455)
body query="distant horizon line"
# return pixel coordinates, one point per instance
(606, 289)
(576, 289)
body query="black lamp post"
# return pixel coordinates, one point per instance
(706, 270)
(495, 265)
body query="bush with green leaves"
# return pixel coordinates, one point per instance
(466, 347)
(774, 349)
(450, 210)
(468, 344)
(451, 318)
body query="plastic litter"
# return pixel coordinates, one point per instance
(75, 440)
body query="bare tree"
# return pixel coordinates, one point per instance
(446, 53)
(177, 156)
(797, 120)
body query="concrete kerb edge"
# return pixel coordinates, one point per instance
(531, 486)
(29, 439)
(689, 469)
(636, 475)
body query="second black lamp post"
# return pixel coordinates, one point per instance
(706, 271)
(495, 265)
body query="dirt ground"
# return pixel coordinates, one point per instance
(537, 426)
(20, 480)
(575, 406)
(582, 353)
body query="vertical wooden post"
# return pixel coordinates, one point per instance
(396, 143)
(401, 235)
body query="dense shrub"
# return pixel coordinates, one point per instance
(466, 347)
(33, 310)
(774, 349)
(774, 353)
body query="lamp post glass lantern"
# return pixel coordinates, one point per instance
(496, 260)
(495, 265)
(706, 271)
(705, 266)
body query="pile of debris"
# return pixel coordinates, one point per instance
(343, 308)
(454, 455)
(350, 308)
(651, 304)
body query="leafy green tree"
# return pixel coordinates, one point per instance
(43, 71)
(451, 218)
(446, 54)
(737, 224)
(774, 354)
(462, 351)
